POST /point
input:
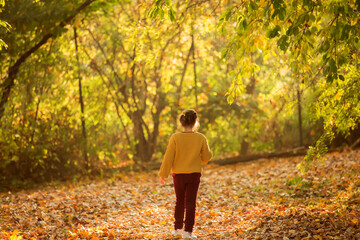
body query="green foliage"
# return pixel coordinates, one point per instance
(315, 153)
(332, 24)
(40, 150)
(2, 44)
(320, 42)
(274, 32)
(157, 9)
(3, 25)
(294, 181)
(236, 89)
(338, 106)
(298, 182)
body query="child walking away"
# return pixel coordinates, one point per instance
(185, 153)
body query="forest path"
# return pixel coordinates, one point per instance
(255, 200)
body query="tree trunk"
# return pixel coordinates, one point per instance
(142, 150)
(356, 144)
(194, 64)
(82, 106)
(300, 117)
(250, 89)
(146, 146)
(244, 147)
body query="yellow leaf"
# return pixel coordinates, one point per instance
(337, 96)
(148, 212)
(212, 213)
(250, 228)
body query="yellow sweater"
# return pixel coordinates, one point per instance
(185, 153)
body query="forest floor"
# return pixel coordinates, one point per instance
(264, 199)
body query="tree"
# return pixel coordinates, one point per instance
(319, 38)
(52, 29)
(37, 142)
(131, 64)
(267, 58)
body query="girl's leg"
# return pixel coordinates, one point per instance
(192, 188)
(179, 187)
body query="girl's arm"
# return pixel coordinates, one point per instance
(168, 159)
(206, 153)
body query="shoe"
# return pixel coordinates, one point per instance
(177, 233)
(189, 235)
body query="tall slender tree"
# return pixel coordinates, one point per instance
(81, 101)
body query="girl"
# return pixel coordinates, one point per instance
(185, 154)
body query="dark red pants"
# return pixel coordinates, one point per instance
(186, 189)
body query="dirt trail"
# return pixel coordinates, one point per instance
(264, 199)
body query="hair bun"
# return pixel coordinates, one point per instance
(188, 117)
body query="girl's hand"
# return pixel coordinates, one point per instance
(162, 180)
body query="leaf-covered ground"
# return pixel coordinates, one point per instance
(264, 199)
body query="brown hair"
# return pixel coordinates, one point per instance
(188, 118)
